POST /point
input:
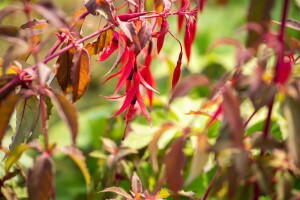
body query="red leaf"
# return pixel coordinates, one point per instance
(109, 50)
(143, 107)
(215, 115)
(147, 76)
(187, 40)
(201, 5)
(181, 17)
(126, 71)
(177, 71)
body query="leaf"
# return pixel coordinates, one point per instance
(285, 184)
(187, 84)
(109, 145)
(153, 145)
(51, 13)
(162, 34)
(28, 121)
(119, 191)
(231, 110)
(200, 158)
(136, 184)
(80, 76)
(9, 10)
(291, 112)
(9, 31)
(144, 34)
(122, 51)
(76, 155)
(174, 162)
(129, 29)
(7, 107)
(100, 43)
(66, 111)
(78, 18)
(63, 72)
(40, 178)
(290, 23)
(259, 12)
(14, 156)
(102, 7)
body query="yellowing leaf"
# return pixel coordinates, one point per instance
(7, 107)
(80, 77)
(77, 156)
(100, 43)
(14, 156)
(163, 193)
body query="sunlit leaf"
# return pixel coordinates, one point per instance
(7, 107)
(100, 43)
(14, 156)
(78, 19)
(40, 178)
(67, 112)
(80, 76)
(28, 121)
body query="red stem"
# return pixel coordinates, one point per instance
(213, 180)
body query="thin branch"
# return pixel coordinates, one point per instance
(213, 180)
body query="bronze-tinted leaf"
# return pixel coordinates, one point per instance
(231, 110)
(144, 34)
(174, 161)
(40, 178)
(259, 12)
(28, 121)
(66, 111)
(14, 156)
(51, 13)
(104, 8)
(63, 73)
(80, 76)
(291, 112)
(100, 43)
(76, 155)
(78, 19)
(187, 84)
(7, 107)
(129, 29)
(9, 31)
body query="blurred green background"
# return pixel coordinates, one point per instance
(217, 21)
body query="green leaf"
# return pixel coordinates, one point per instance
(40, 178)
(66, 111)
(7, 107)
(77, 156)
(100, 43)
(14, 156)
(80, 77)
(28, 121)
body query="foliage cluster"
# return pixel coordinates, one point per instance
(241, 143)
